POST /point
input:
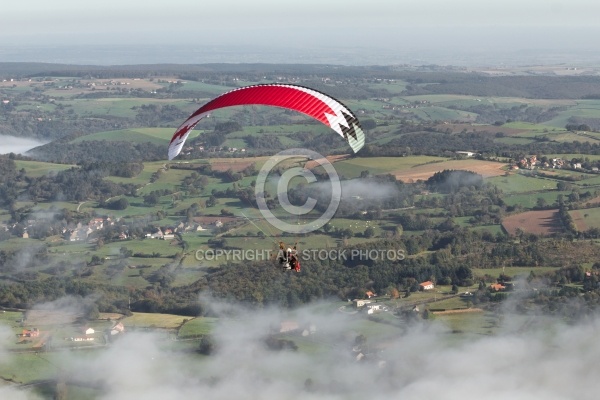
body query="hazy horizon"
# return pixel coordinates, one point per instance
(349, 32)
(106, 55)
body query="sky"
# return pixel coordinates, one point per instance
(384, 25)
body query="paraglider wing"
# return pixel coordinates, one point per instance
(305, 100)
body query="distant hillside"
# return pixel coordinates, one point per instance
(61, 151)
(158, 136)
(27, 69)
(532, 87)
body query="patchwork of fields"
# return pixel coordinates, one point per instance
(152, 253)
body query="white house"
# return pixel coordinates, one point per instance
(157, 235)
(96, 224)
(288, 326)
(310, 330)
(118, 328)
(426, 285)
(78, 234)
(358, 303)
(371, 308)
(82, 339)
(89, 331)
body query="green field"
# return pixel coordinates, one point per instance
(351, 168)
(28, 367)
(212, 90)
(160, 136)
(197, 327)
(12, 321)
(530, 129)
(394, 87)
(570, 156)
(444, 99)
(433, 113)
(478, 323)
(281, 130)
(514, 140)
(158, 321)
(521, 183)
(36, 169)
(530, 200)
(582, 109)
(493, 229)
(572, 137)
(512, 271)
(372, 330)
(455, 303)
(119, 107)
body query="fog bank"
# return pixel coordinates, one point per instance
(17, 145)
(548, 360)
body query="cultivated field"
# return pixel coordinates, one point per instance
(332, 159)
(353, 167)
(236, 165)
(424, 172)
(543, 222)
(586, 219)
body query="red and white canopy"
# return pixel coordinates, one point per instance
(307, 101)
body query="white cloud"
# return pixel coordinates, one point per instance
(551, 361)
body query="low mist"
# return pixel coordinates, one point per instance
(368, 189)
(424, 360)
(17, 145)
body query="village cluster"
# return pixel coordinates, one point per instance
(39, 338)
(532, 162)
(89, 232)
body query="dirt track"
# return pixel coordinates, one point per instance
(332, 159)
(463, 310)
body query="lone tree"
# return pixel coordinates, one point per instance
(118, 204)
(207, 346)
